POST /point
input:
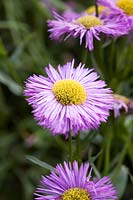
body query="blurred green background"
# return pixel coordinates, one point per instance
(25, 48)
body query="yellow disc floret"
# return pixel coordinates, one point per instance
(76, 194)
(89, 21)
(126, 6)
(69, 92)
(92, 9)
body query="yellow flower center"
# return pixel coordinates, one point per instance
(91, 10)
(69, 92)
(76, 194)
(89, 21)
(126, 5)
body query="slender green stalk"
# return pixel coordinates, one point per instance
(107, 153)
(70, 147)
(84, 56)
(78, 147)
(96, 8)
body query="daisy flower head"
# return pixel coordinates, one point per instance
(69, 99)
(85, 27)
(70, 182)
(121, 8)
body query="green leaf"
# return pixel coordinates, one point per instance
(120, 180)
(11, 84)
(39, 162)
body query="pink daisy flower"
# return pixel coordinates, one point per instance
(71, 182)
(87, 27)
(69, 99)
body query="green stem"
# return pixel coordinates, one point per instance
(96, 8)
(84, 56)
(70, 146)
(107, 153)
(78, 147)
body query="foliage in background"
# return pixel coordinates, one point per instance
(25, 48)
